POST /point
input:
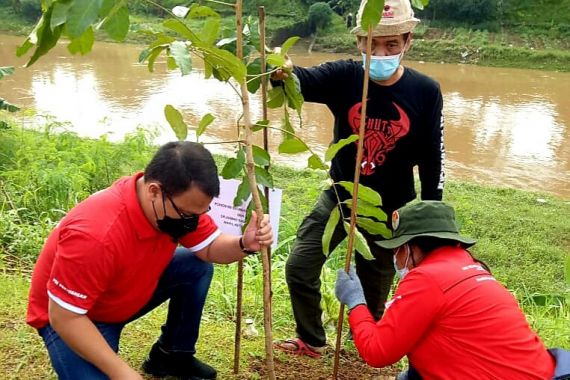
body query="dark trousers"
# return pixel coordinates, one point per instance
(304, 265)
(185, 282)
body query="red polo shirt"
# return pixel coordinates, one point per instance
(454, 321)
(104, 258)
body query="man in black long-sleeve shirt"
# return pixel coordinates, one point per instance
(404, 128)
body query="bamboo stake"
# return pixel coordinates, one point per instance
(359, 155)
(261, 13)
(257, 201)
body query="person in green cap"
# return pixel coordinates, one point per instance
(449, 315)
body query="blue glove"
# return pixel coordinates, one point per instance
(348, 289)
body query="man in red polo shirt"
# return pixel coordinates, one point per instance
(114, 257)
(449, 315)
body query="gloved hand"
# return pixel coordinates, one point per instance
(348, 289)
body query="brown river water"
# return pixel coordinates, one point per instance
(503, 127)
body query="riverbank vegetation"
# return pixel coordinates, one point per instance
(506, 33)
(523, 236)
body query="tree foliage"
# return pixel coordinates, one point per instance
(320, 16)
(465, 11)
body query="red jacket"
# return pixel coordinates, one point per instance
(454, 321)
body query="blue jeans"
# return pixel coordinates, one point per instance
(185, 282)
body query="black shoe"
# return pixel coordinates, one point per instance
(161, 363)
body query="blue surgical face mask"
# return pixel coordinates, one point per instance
(382, 68)
(404, 271)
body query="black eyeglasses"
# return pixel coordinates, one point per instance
(184, 215)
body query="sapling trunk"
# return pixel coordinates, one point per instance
(250, 165)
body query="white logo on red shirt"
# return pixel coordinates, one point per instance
(69, 291)
(389, 303)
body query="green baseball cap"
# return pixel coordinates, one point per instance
(425, 218)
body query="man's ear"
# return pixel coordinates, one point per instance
(153, 189)
(408, 42)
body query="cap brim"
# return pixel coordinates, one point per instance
(401, 240)
(384, 30)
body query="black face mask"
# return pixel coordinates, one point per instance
(176, 228)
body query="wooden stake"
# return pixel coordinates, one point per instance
(359, 155)
(261, 13)
(239, 302)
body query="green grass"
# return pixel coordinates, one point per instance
(524, 240)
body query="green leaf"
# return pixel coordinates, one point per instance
(260, 156)
(365, 193)
(251, 31)
(329, 230)
(288, 45)
(243, 192)
(174, 118)
(420, 4)
(59, 14)
(258, 126)
(179, 51)
(117, 25)
(366, 209)
(360, 243)
(221, 74)
(81, 15)
(275, 60)
(374, 228)
(153, 55)
(234, 166)
(263, 201)
(253, 72)
(6, 70)
(372, 13)
(171, 63)
(293, 92)
(206, 120)
(225, 61)
(5, 106)
(82, 44)
(226, 41)
(292, 146)
(106, 7)
(23, 49)
(42, 36)
(198, 11)
(315, 162)
(276, 97)
(263, 177)
(333, 149)
(181, 28)
(160, 39)
(210, 31)
(288, 131)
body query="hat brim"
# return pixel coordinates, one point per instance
(383, 30)
(401, 240)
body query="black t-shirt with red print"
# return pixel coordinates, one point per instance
(404, 128)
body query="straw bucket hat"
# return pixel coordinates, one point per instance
(397, 18)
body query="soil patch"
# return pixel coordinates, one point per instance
(291, 367)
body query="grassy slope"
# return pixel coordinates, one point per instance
(523, 239)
